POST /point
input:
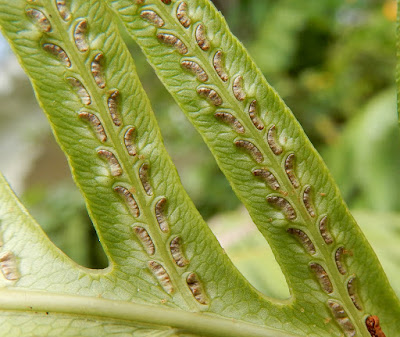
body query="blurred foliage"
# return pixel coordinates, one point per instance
(365, 161)
(333, 63)
(63, 217)
(249, 251)
(398, 59)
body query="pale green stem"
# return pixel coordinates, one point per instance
(102, 309)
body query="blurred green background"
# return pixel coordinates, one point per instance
(333, 62)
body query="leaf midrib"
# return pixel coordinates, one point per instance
(32, 302)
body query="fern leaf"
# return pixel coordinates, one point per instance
(270, 163)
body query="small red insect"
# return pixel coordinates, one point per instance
(372, 323)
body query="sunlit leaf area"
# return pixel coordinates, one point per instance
(333, 63)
